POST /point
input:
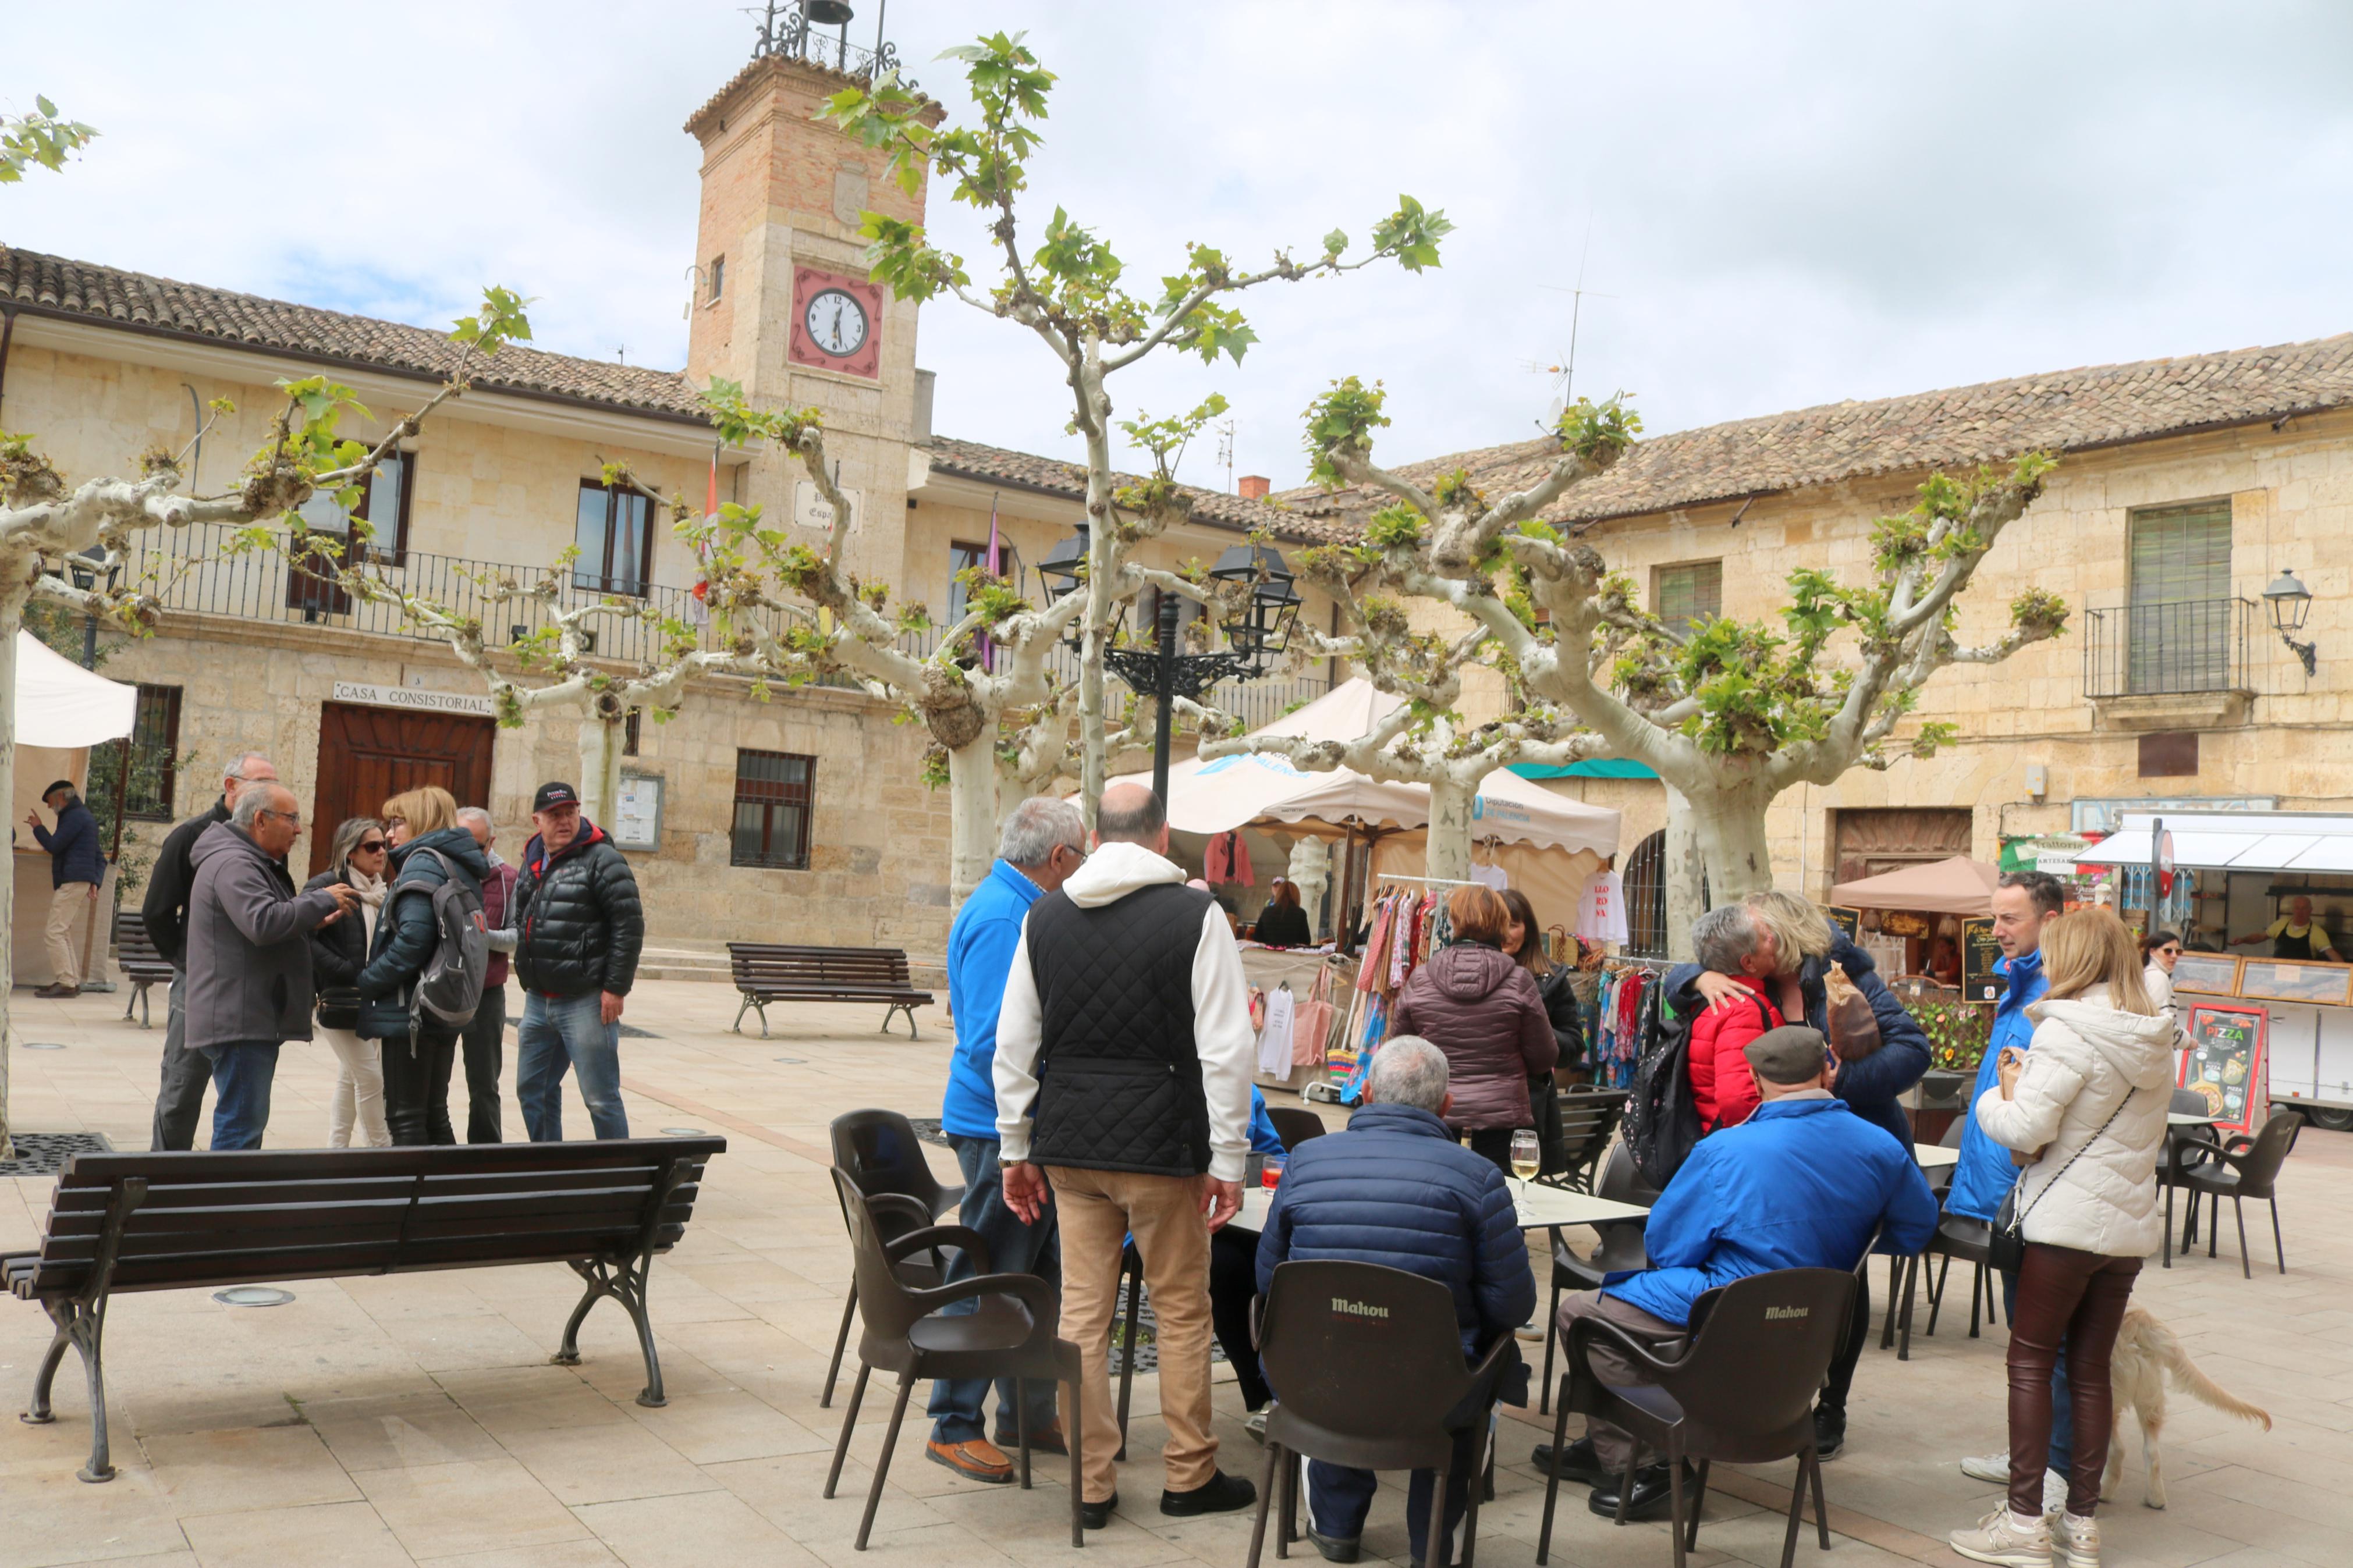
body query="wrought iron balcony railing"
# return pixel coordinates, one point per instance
(2182, 647)
(191, 572)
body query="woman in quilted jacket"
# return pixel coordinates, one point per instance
(2085, 1109)
(426, 845)
(1483, 1009)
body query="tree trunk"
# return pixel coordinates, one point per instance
(12, 616)
(1684, 873)
(1310, 869)
(1447, 858)
(1730, 825)
(973, 802)
(600, 769)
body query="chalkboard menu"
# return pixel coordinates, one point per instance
(1979, 953)
(1848, 920)
(2224, 1063)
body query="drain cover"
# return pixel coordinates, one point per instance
(792, 1061)
(252, 1296)
(683, 1132)
(46, 1153)
(44, 1046)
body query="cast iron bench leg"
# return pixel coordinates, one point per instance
(624, 1280)
(81, 1326)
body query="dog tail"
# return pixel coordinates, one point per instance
(2191, 1380)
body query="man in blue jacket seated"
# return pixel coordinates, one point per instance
(1396, 1189)
(1044, 841)
(1802, 1183)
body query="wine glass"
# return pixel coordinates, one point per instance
(1527, 1155)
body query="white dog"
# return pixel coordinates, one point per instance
(2146, 1354)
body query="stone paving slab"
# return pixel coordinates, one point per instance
(416, 1419)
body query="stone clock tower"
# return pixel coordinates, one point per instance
(781, 300)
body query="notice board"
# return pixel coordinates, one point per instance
(2225, 1063)
(1979, 953)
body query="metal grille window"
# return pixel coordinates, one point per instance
(1683, 596)
(154, 755)
(1645, 883)
(2181, 608)
(774, 793)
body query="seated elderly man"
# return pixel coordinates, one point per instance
(1396, 1189)
(1801, 1183)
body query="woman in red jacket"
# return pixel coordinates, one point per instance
(1483, 1009)
(1732, 942)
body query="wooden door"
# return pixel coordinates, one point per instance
(366, 755)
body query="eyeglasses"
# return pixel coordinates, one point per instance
(294, 817)
(372, 846)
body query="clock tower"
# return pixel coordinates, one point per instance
(781, 298)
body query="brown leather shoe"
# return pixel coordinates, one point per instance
(1047, 1440)
(56, 992)
(976, 1460)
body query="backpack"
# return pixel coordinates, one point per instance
(450, 987)
(1662, 1118)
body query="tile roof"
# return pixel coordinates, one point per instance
(2099, 406)
(55, 286)
(1051, 475)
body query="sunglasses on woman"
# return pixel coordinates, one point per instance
(372, 846)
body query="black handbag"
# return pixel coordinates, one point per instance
(2006, 1246)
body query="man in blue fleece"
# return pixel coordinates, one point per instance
(1043, 842)
(1802, 1183)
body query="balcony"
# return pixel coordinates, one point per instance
(189, 573)
(2188, 646)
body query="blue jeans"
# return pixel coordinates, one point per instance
(2063, 1404)
(1013, 1248)
(561, 1035)
(242, 1073)
(1338, 1497)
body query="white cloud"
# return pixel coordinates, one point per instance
(1787, 206)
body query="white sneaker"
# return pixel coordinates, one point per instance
(2001, 1539)
(1532, 1330)
(2078, 1538)
(1995, 1468)
(1255, 1422)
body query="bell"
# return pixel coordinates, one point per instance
(826, 13)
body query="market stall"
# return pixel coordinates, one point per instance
(2267, 1025)
(62, 711)
(1913, 921)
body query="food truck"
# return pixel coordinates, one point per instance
(2265, 1030)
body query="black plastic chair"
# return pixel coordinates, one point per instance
(1743, 1392)
(1588, 1120)
(1620, 1246)
(2245, 1168)
(1295, 1124)
(1011, 1334)
(1971, 1241)
(884, 1157)
(1366, 1368)
(1904, 1272)
(2186, 1149)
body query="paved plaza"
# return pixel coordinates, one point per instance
(416, 1419)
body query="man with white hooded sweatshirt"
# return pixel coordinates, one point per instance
(1123, 1077)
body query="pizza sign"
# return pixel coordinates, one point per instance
(836, 323)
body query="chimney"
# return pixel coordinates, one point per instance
(925, 380)
(1253, 487)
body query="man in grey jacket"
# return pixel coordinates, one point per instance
(248, 955)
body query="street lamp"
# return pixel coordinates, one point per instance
(82, 568)
(2290, 603)
(1257, 632)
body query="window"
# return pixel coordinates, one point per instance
(1684, 596)
(629, 732)
(2171, 754)
(718, 278)
(154, 755)
(962, 558)
(772, 792)
(2180, 622)
(311, 577)
(1644, 885)
(616, 536)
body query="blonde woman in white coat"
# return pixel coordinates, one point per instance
(2085, 1112)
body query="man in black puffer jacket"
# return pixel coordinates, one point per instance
(1396, 1189)
(579, 927)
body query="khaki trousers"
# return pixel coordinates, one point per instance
(1100, 1209)
(1613, 1445)
(69, 908)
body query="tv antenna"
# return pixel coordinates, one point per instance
(1225, 429)
(1564, 375)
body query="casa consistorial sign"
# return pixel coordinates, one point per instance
(416, 700)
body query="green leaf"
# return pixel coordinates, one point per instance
(1335, 242)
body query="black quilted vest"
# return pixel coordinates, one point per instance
(1119, 1078)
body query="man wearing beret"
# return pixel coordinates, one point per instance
(77, 868)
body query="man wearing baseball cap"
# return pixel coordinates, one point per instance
(578, 929)
(1802, 1183)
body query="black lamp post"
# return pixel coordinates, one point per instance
(2290, 603)
(1255, 635)
(82, 568)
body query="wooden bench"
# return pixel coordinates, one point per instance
(143, 966)
(166, 1221)
(766, 973)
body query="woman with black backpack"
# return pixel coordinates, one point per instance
(427, 847)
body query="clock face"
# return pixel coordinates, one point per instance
(836, 322)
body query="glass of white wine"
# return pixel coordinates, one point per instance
(1527, 1155)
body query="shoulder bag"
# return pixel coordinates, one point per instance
(2006, 1246)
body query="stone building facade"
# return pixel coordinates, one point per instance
(844, 844)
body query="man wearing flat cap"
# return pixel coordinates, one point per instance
(1802, 1183)
(76, 870)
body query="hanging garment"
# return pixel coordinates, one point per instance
(1490, 876)
(1313, 1025)
(1369, 974)
(1601, 909)
(1274, 1038)
(1227, 860)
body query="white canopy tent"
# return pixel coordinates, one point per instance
(62, 711)
(60, 704)
(2231, 841)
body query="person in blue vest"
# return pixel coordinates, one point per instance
(2023, 903)
(1043, 842)
(1803, 1182)
(1233, 1284)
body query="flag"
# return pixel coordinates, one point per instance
(986, 659)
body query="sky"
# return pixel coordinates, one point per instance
(1771, 206)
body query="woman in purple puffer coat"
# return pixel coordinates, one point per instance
(1482, 1008)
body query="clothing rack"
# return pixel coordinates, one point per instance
(1434, 881)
